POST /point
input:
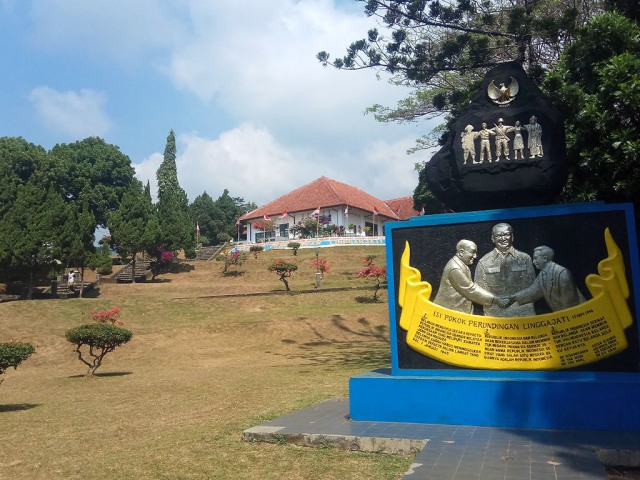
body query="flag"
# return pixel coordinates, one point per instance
(284, 214)
(197, 228)
(266, 217)
(316, 212)
(375, 211)
(238, 222)
(346, 211)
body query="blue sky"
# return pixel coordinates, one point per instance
(237, 80)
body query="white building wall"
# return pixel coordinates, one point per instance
(356, 216)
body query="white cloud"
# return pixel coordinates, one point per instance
(73, 114)
(253, 63)
(250, 163)
(247, 161)
(146, 172)
(264, 67)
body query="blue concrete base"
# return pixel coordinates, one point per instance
(548, 400)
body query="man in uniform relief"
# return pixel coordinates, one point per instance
(504, 271)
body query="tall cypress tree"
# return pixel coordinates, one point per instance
(176, 229)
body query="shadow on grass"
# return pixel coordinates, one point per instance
(181, 267)
(233, 273)
(158, 280)
(369, 349)
(103, 374)
(362, 299)
(16, 407)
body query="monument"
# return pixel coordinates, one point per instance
(512, 312)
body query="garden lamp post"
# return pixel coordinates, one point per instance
(318, 274)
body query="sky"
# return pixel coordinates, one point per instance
(252, 109)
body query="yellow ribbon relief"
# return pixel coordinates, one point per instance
(579, 335)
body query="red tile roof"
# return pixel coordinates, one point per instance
(324, 193)
(402, 207)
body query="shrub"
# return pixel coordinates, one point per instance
(294, 246)
(372, 271)
(256, 249)
(13, 354)
(321, 265)
(223, 237)
(107, 316)
(93, 341)
(203, 240)
(234, 258)
(283, 270)
(190, 253)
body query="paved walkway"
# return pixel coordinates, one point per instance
(454, 452)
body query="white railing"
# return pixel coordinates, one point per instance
(321, 242)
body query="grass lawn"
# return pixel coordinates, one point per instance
(173, 402)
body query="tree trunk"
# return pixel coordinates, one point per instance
(81, 282)
(30, 287)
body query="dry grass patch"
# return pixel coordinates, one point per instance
(172, 403)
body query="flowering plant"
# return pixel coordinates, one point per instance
(108, 316)
(321, 265)
(234, 258)
(372, 271)
(165, 256)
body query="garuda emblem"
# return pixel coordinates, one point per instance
(503, 95)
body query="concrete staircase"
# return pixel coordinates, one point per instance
(143, 269)
(204, 254)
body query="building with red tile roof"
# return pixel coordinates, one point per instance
(402, 207)
(333, 202)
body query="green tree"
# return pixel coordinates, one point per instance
(597, 85)
(77, 241)
(134, 226)
(442, 50)
(91, 171)
(34, 230)
(229, 208)
(205, 213)
(177, 230)
(102, 261)
(18, 161)
(422, 195)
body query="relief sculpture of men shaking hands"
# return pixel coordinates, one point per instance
(457, 289)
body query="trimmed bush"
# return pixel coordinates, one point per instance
(256, 249)
(93, 341)
(13, 354)
(283, 270)
(294, 246)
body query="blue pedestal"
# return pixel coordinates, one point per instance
(551, 400)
